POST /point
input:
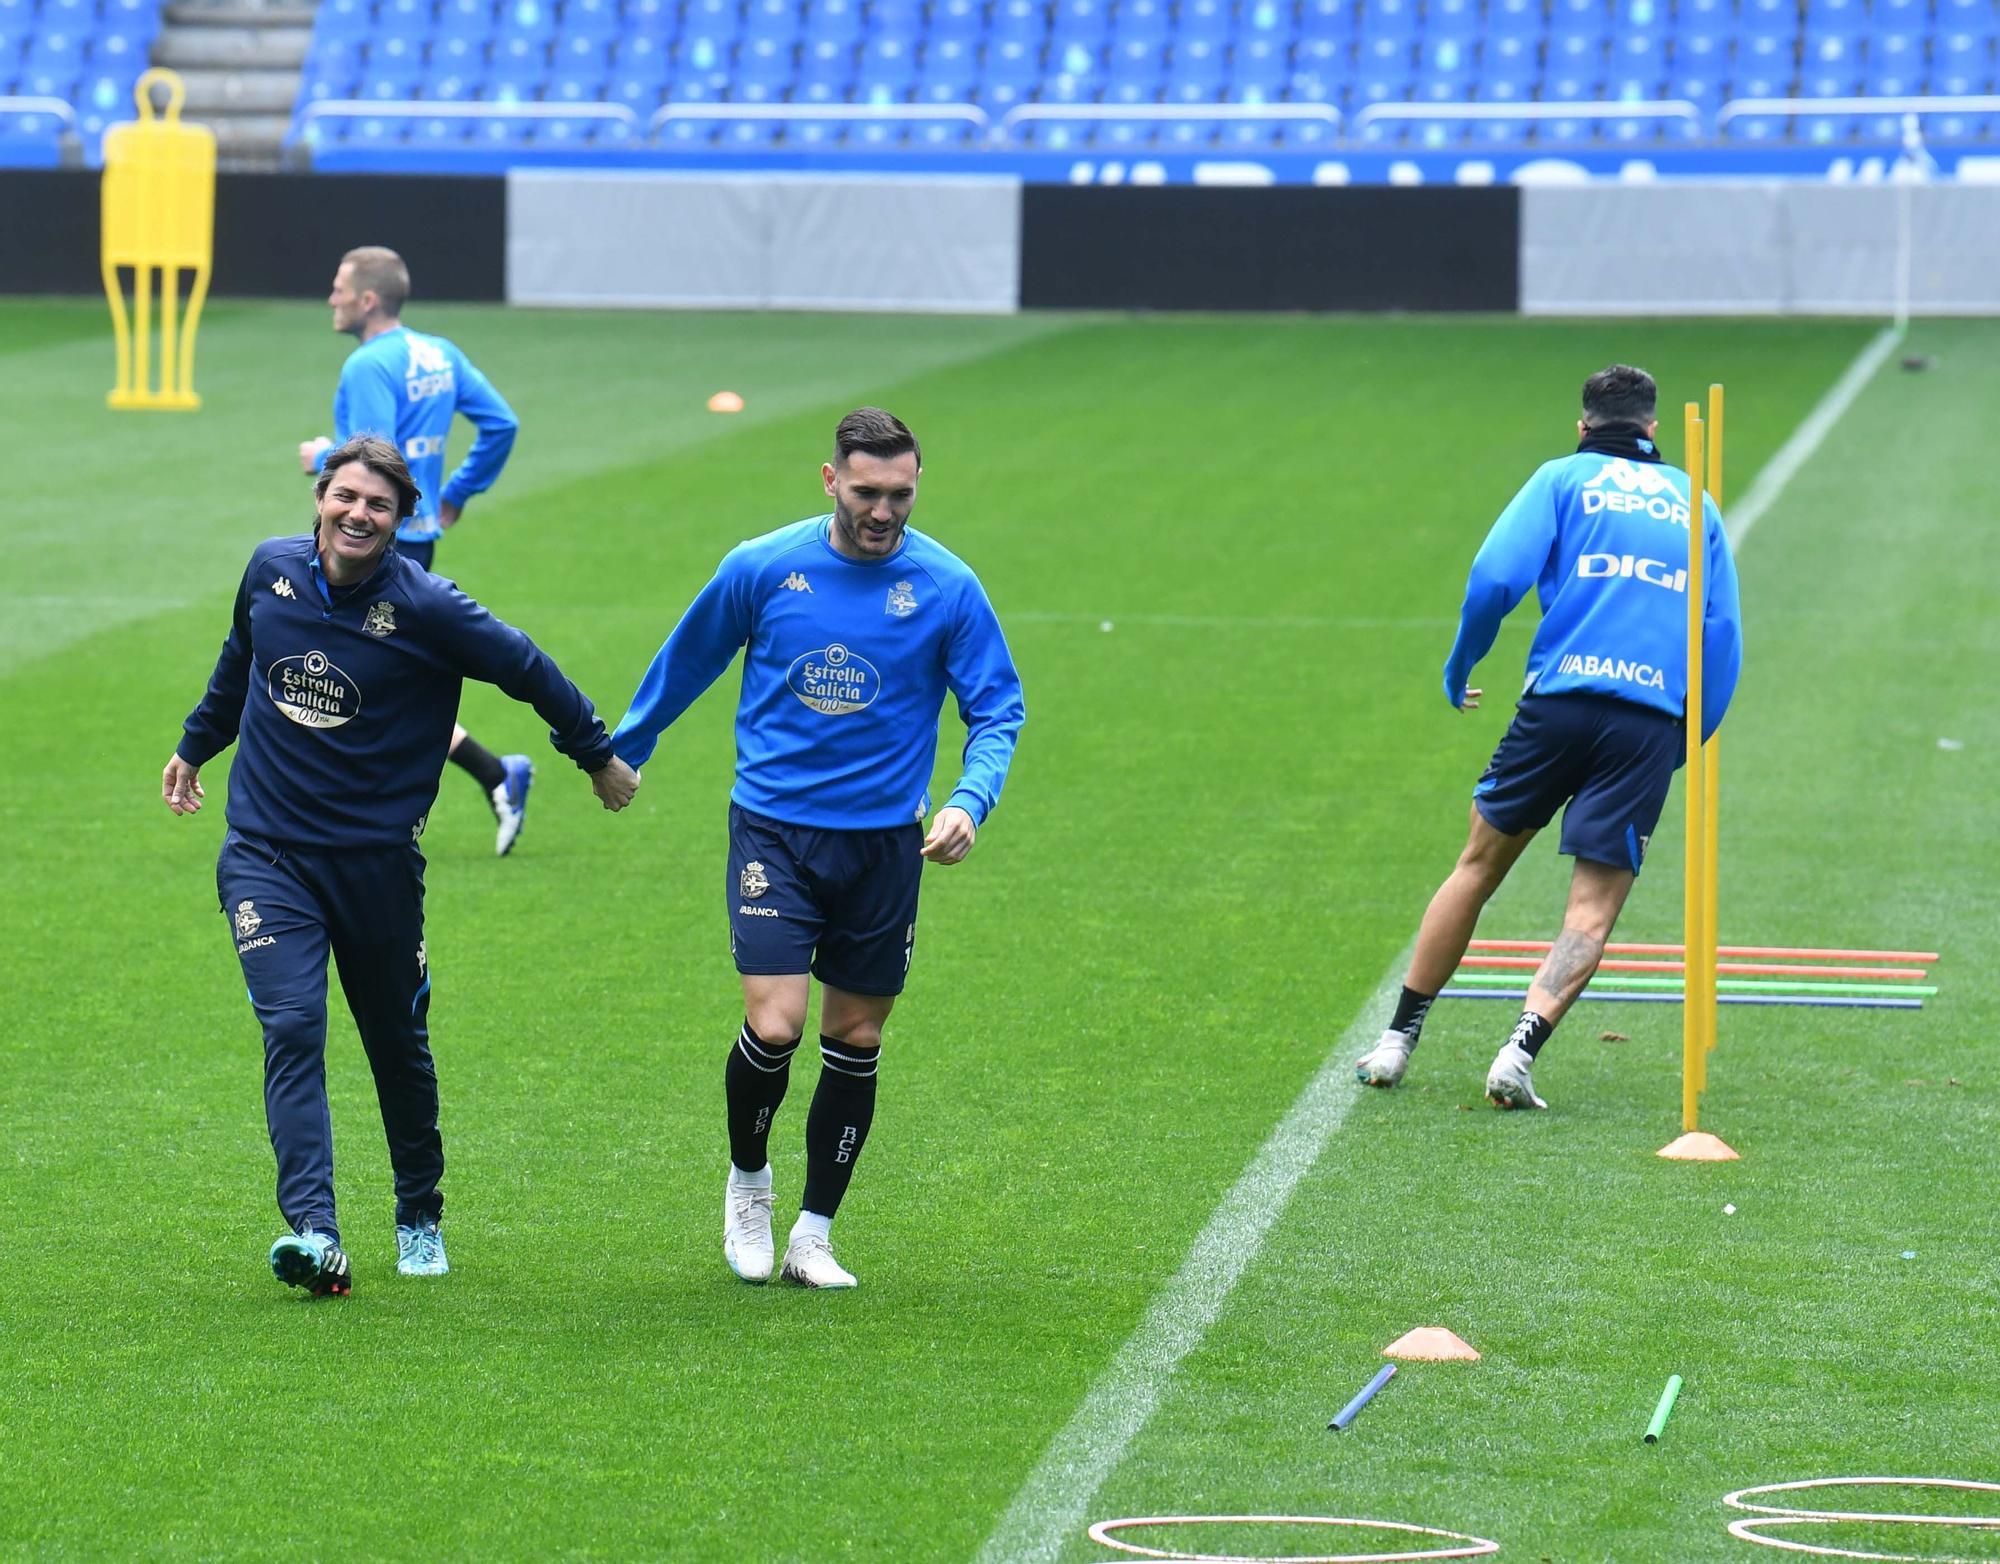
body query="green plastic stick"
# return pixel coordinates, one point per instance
(1664, 1410)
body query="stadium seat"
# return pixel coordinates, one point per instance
(826, 72)
(1202, 21)
(1196, 71)
(961, 20)
(1457, 20)
(778, 20)
(1142, 21)
(1009, 74)
(1338, 19)
(1259, 66)
(1025, 22)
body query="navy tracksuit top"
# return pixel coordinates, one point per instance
(345, 697)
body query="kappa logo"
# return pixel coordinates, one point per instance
(284, 589)
(381, 620)
(247, 921)
(429, 372)
(796, 582)
(754, 883)
(423, 960)
(902, 600)
(417, 830)
(1634, 488)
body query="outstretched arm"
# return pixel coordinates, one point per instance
(702, 645)
(1506, 566)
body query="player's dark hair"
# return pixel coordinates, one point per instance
(878, 433)
(379, 457)
(1619, 394)
(382, 271)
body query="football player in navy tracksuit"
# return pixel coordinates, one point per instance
(1604, 536)
(340, 676)
(407, 387)
(853, 629)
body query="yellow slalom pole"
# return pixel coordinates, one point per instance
(1694, 936)
(1712, 769)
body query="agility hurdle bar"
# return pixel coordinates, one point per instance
(1788, 952)
(1736, 968)
(1830, 1001)
(1739, 985)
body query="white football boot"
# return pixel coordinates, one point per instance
(1384, 1066)
(746, 1227)
(1508, 1083)
(809, 1261)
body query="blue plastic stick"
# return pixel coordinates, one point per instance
(1352, 1410)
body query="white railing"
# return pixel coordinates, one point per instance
(1180, 113)
(1515, 113)
(409, 108)
(31, 105)
(803, 113)
(1800, 108)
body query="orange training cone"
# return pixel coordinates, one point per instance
(1698, 1146)
(1430, 1344)
(725, 402)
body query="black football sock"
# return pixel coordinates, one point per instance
(476, 758)
(843, 1107)
(1531, 1031)
(1410, 1012)
(755, 1080)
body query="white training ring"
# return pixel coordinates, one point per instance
(1472, 1548)
(1771, 1516)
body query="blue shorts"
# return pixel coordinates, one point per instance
(840, 904)
(1609, 760)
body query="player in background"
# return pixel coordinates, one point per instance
(1604, 537)
(406, 387)
(338, 683)
(854, 627)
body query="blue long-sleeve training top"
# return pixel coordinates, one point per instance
(406, 386)
(344, 697)
(1604, 539)
(846, 669)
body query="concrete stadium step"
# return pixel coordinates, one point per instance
(239, 92)
(255, 137)
(231, 48)
(240, 13)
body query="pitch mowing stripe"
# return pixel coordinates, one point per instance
(1049, 1509)
(1805, 440)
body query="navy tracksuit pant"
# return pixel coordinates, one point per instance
(287, 910)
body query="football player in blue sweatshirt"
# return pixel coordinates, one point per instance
(338, 682)
(407, 387)
(854, 627)
(1604, 539)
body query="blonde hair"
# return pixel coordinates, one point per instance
(381, 272)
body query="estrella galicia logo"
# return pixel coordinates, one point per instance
(312, 691)
(754, 881)
(834, 681)
(902, 600)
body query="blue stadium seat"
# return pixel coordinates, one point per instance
(1339, 18)
(1202, 21)
(875, 135)
(1136, 69)
(934, 135)
(826, 71)
(1247, 135)
(568, 86)
(1901, 16)
(1978, 17)
(1579, 18)
(598, 20)
(510, 83)
(1009, 73)
(1305, 135)
(639, 91)
(887, 69)
(658, 19)
(1258, 68)
(527, 19)
(1505, 89)
(640, 53)
(1459, 20)
(440, 132)
(766, 66)
(1515, 56)
(581, 53)
(1085, 22)
(902, 20)
(1142, 21)
(1197, 68)
(750, 135)
(780, 20)
(1389, 19)
(1778, 18)
(834, 21)
(1266, 19)
(960, 20)
(1018, 21)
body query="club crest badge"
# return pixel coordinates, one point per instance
(754, 882)
(247, 921)
(902, 600)
(381, 620)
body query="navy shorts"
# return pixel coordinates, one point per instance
(1609, 760)
(840, 904)
(418, 553)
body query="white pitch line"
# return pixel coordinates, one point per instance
(1230, 621)
(1049, 1509)
(1798, 450)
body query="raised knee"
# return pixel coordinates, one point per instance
(776, 1023)
(863, 1034)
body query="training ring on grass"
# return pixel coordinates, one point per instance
(1773, 1515)
(1470, 1547)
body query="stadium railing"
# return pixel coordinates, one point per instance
(1672, 110)
(1805, 108)
(418, 109)
(1259, 113)
(802, 113)
(67, 143)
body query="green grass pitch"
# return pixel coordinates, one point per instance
(1228, 554)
